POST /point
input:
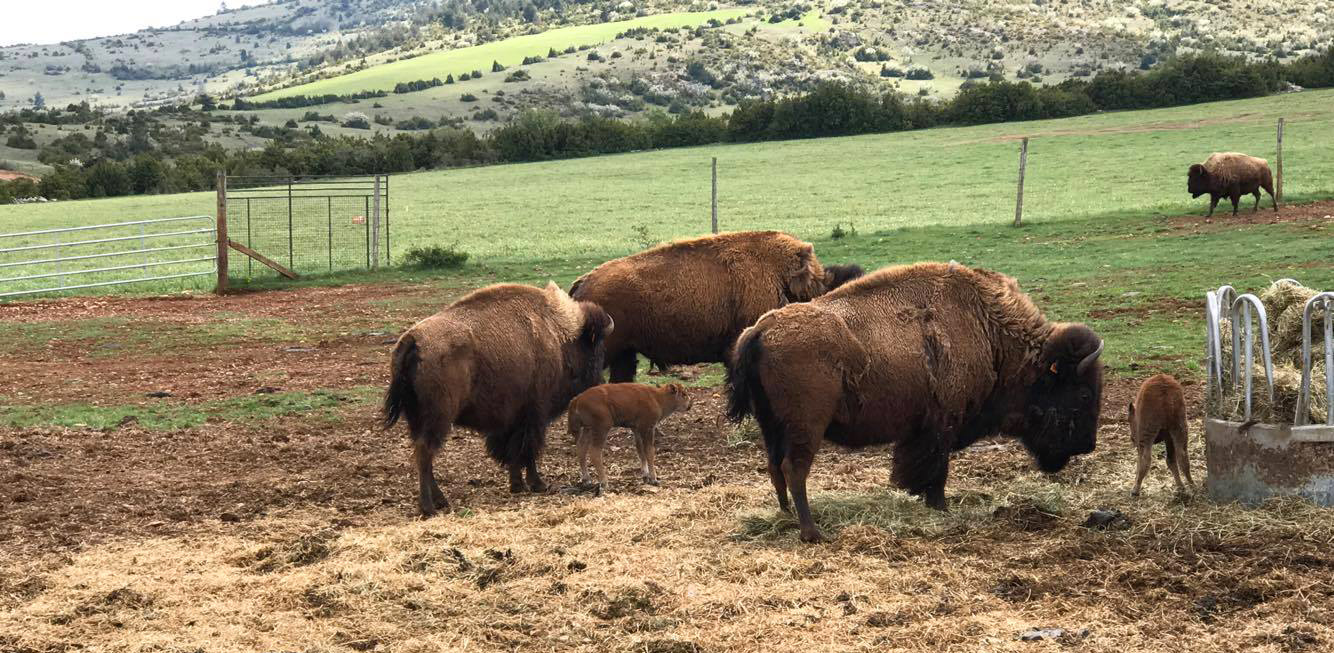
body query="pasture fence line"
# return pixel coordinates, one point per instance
(1019, 198)
(714, 195)
(119, 253)
(301, 225)
(1278, 182)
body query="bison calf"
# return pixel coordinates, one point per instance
(1231, 175)
(1158, 414)
(504, 360)
(639, 407)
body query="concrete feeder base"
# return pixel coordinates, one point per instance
(1269, 460)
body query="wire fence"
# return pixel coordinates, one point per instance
(309, 224)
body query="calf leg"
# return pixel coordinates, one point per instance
(1142, 466)
(1172, 464)
(595, 450)
(581, 446)
(796, 468)
(623, 365)
(651, 450)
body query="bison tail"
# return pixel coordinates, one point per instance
(743, 381)
(401, 398)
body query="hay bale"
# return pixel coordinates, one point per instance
(1287, 388)
(1285, 302)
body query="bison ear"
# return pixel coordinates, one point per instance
(1071, 346)
(597, 323)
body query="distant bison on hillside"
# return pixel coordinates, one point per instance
(927, 357)
(504, 360)
(686, 301)
(1231, 175)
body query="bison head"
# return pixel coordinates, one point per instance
(1197, 180)
(837, 275)
(586, 355)
(804, 278)
(1066, 399)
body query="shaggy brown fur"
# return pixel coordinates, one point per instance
(1231, 175)
(639, 407)
(503, 360)
(1158, 414)
(927, 357)
(686, 302)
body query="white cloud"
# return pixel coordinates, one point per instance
(53, 21)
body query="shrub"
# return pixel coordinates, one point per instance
(356, 120)
(919, 73)
(465, 77)
(449, 79)
(519, 75)
(290, 124)
(468, 97)
(594, 56)
(496, 67)
(476, 74)
(435, 257)
(890, 71)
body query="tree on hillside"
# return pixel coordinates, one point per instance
(38, 102)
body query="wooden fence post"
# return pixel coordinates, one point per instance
(1019, 201)
(1278, 184)
(714, 203)
(221, 232)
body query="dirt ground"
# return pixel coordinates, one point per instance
(297, 532)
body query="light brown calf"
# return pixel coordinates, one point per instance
(1158, 414)
(636, 406)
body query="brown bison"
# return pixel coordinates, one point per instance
(686, 301)
(1158, 414)
(504, 360)
(1231, 175)
(927, 357)
(639, 407)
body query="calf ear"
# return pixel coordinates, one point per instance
(1130, 411)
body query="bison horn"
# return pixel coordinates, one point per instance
(611, 325)
(1089, 360)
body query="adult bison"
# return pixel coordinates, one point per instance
(1230, 175)
(686, 301)
(928, 357)
(504, 360)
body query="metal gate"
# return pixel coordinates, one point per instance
(70, 258)
(309, 224)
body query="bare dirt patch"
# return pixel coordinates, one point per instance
(1316, 216)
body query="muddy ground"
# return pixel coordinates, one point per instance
(72, 495)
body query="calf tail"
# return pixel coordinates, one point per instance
(400, 400)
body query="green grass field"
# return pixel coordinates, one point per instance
(1096, 241)
(509, 52)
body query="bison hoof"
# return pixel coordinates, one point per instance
(652, 481)
(518, 488)
(812, 536)
(538, 486)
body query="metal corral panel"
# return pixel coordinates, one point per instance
(1268, 460)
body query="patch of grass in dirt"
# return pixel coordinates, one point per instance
(168, 415)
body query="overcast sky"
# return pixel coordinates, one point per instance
(53, 21)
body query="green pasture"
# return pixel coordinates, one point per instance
(509, 52)
(1099, 242)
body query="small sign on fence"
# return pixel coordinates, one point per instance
(358, 219)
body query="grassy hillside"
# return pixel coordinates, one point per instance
(1130, 162)
(509, 52)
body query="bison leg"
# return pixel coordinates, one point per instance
(921, 467)
(796, 467)
(516, 479)
(1257, 201)
(779, 481)
(1142, 467)
(623, 365)
(429, 496)
(1213, 202)
(1236, 199)
(1269, 188)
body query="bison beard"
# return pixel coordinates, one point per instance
(535, 349)
(928, 358)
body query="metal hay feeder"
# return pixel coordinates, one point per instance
(1250, 460)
